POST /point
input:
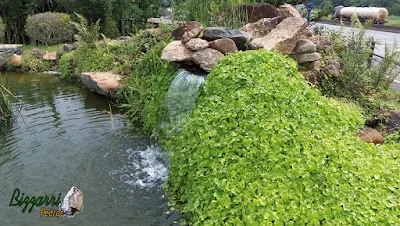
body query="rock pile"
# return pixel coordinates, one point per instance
(284, 30)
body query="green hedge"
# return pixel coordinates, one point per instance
(263, 147)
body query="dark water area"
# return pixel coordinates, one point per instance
(63, 136)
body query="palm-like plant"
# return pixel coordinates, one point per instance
(87, 34)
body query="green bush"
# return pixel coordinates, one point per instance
(33, 64)
(50, 28)
(264, 148)
(2, 31)
(85, 59)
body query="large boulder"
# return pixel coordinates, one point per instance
(283, 38)
(187, 31)
(104, 83)
(262, 27)
(304, 46)
(15, 60)
(207, 58)
(256, 12)
(196, 44)
(239, 37)
(225, 45)
(52, 56)
(288, 10)
(176, 51)
(306, 57)
(370, 135)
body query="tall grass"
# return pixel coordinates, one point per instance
(5, 104)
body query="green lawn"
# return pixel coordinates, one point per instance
(393, 21)
(54, 48)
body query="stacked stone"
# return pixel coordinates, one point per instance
(282, 30)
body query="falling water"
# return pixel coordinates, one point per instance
(180, 101)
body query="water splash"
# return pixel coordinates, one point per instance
(180, 101)
(144, 168)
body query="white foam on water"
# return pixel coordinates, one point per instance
(143, 168)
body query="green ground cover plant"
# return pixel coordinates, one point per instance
(263, 147)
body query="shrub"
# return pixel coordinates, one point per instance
(50, 28)
(85, 59)
(358, 76)
(33, 64)
(262, 147)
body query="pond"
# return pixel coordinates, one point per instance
(64, 136)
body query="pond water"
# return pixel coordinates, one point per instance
(65, 136)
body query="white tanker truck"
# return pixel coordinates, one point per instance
(378, 15)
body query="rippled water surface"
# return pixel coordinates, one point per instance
(65, 136)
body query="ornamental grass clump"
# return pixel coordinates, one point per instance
(263, 147)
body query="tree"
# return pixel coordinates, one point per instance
(111, 30)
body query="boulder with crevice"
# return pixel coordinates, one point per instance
(104, 83)
(262, 27)
(283, 38)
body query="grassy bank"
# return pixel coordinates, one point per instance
(393, 21)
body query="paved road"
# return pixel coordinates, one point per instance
(381, 37)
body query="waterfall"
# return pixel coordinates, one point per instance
(180, 101)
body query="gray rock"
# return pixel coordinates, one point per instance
(196, 44)
(283, 38)
(70, 47)
(307, 57)
(304, 46)
(207, 58)
(177, 52)
(225, 45)
(323, 42)
(239, 37)
(104, 83)
(333, 67)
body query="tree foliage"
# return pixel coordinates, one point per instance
(111, 30)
